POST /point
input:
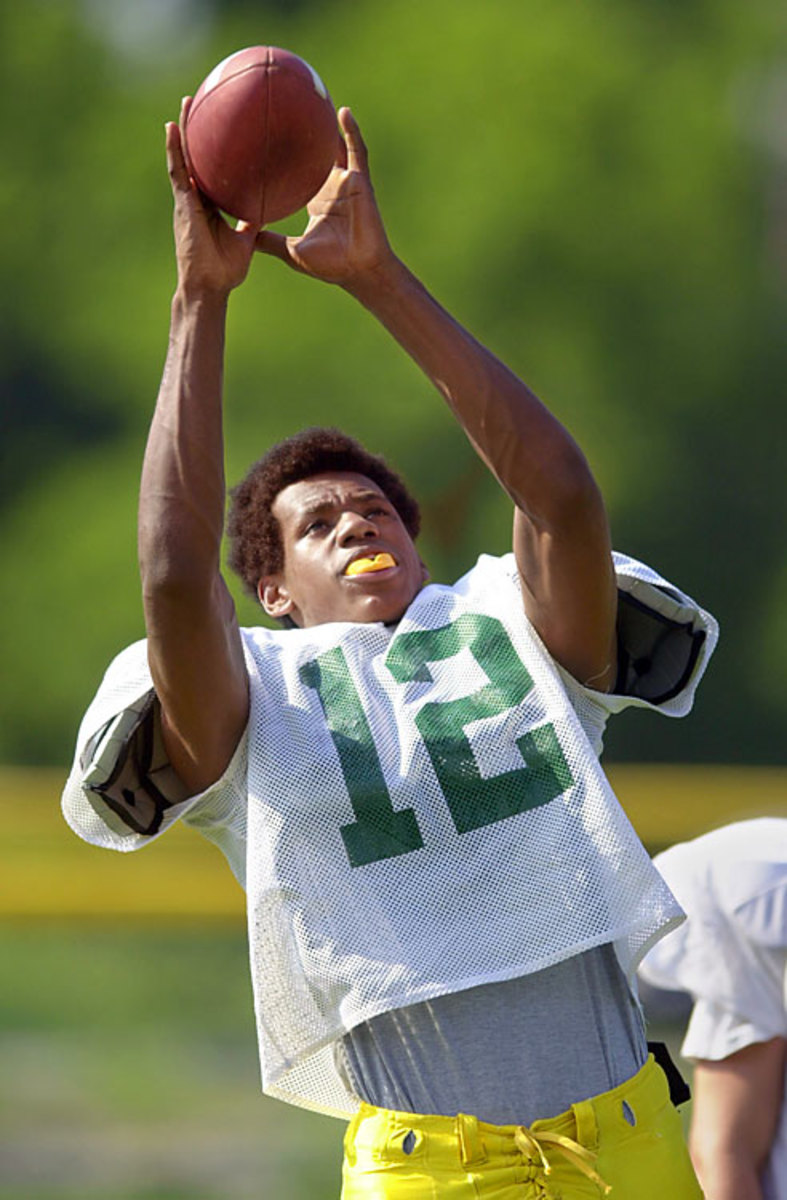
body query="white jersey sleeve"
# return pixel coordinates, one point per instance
(714, 1032)
(665, 640)
(122, 793)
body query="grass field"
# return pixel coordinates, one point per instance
(130, 1071)
(126, 1032)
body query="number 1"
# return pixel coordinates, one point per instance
(380, 831)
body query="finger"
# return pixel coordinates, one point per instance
(357, 154)
(176, 163)
(268, 242)
(278, 246)
(341, 153)
(185, 105)
(185, 108)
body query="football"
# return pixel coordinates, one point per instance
(261, 134)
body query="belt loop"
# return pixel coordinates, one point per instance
(587, 1126)
(381, 1133)
(471, 1147)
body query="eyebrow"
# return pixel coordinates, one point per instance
(358, 497)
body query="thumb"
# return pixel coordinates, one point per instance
(278, 246)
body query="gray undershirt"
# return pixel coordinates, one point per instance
(529, 1047)
(507, 1052)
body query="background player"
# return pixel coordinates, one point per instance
(731, 956)
(230, 729)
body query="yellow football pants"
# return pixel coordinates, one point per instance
(627, 1143)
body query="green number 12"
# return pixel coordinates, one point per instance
(379, 831)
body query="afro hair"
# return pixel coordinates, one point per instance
(255, 537)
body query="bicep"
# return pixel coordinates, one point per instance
(196, 659)
(569, 590)
(738, 1101)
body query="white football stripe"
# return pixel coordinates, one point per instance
(218, 71)
(318, 83)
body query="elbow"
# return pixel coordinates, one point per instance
(565, 491)
(699, 1153)
(178, 549)
(172, 578)
(574, 483)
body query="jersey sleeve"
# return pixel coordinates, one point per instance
(122, 793)
(715, 1032)
(665, 640)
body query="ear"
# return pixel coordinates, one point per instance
(274, 597)
(424, 571)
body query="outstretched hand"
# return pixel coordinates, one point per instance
(344, 239)
(212, 255)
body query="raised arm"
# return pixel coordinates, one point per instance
(561, 535)
(194, 645)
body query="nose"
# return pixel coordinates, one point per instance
(355, 527)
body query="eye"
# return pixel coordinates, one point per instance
(316, 526)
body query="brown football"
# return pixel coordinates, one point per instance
(261, 134)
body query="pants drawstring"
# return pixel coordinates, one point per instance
(532, 1145)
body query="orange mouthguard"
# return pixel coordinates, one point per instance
(377, 562)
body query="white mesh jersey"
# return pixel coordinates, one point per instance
(415, 810)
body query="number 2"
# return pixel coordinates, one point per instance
(379, 831)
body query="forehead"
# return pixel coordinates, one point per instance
(329, 489)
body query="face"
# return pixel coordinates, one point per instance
(347, 554)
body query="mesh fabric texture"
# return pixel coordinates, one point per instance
(423, 812)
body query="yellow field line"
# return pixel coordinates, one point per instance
(46, 872)
(669, 804)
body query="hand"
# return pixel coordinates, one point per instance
(344, 239)
(212, 256)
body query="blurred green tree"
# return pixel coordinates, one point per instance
(598, 191)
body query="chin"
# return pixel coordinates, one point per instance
(387, 610)
(369, 614)
(366, 608)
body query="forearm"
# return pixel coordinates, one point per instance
(533, 456)
(181, 508)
